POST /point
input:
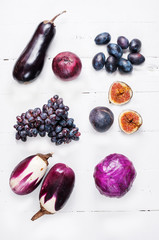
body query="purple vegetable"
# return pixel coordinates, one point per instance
(114, 175)
(56, 189)
(27, 175)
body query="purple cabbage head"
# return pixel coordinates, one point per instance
(114, 175)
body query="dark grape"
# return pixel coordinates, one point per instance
(59, 142)
(70, 122)
(42, 134)
(58, 129)
(17, 136)
(43, 116)
(35, 132)
(53, 119)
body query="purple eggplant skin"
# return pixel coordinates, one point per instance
(28, 174)
(56, 189)
(30, 63)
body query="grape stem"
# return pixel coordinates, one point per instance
(53, 19)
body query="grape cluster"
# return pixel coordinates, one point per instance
(51, 120)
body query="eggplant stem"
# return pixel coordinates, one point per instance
(45, 157)
(37, 215)
(40, 213)
(53, 19)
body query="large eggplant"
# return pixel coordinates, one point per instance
(30, 63)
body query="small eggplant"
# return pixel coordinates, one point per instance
(56, 189)
(30, 63)
(27, 175)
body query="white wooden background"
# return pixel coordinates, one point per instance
(87, 214)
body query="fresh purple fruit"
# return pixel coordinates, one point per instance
(123, 42)
(136, 58)
(115, 50)
(135, 45)
(101, 118)
(56, 189)
(111, 64)
(114, 175)
(125, 65)
(27, 175)
(98, 61)
(102, 38)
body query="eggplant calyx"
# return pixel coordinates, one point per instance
(40, 213)
(45, 157)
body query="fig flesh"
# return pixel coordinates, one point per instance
(130, 121)
(120, 93)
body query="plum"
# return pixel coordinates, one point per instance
(135, 45)
(98, 61)
(125, 65)
(136, 58)
(123, 42)
(67, 66)
(102, 38)
(101, 118)
(111, 64)
(115, 50)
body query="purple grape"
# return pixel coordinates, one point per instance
(53, 120)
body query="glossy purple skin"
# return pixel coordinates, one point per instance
(67, 66)
(30, 63)
(135, 45)
(59, 183)
(136, 58)
(123, 42)
(114, 175)
(28, 188)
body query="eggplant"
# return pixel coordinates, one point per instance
(30, 63)
(56, 189)
(28, 174)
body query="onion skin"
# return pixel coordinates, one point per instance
(28, 174)
(56, 189)
(114, 175)
(67, 66)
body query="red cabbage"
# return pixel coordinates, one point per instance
(114, 175)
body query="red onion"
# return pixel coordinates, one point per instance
(27, 175)
(56, 189)
(67, 66)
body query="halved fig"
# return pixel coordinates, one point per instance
(120, 93)
(130, 121)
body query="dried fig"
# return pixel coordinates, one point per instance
(120, 93)
(130, 121)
